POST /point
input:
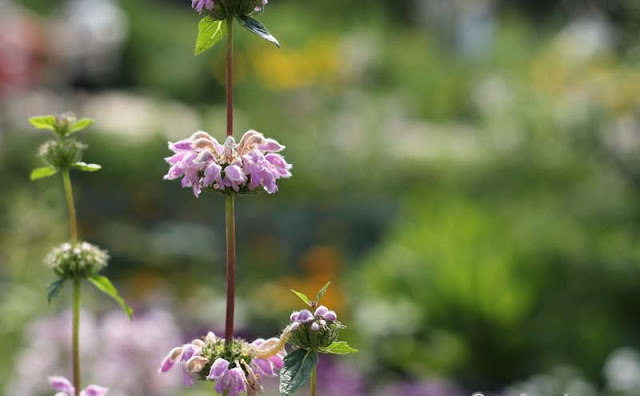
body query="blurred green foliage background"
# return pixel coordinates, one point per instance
(468, 176)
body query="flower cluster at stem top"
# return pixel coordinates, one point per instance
(82, 260)
(314, 330)
(65, 388)
(234, 368)
(222, 9)
(241, 167)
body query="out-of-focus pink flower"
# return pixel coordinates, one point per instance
(64, 388)
(199, 5)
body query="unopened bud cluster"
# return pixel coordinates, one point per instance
(223, 9)
(314, 330)
(235, 368)
(82, 260)
(61, 153)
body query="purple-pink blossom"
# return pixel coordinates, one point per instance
(199, 5)
(203, 163)
(65, 388)
(231, 375)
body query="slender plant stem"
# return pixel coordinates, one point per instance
(314, 380)
(231, 266)
(70, 206)
(75, 340)
(230, 77)
(230, 204)
(75, 336)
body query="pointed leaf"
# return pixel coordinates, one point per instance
(298, 366)
(210, 32)
(80, 125)
(258, 28)
(43, 172)
(339, 348)
(83, 166)
(302, 296)
(53, 289)
(104, 285)
(44, 122)
(322, 291)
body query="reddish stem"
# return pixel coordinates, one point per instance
(230, 77)
(230, 204)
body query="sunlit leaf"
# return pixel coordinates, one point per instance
(339, 348)
(302, 296)
(322, 291)
(44, 122)
(80, 125)
(83, 166)
(43, 172)
(104, 284)
(210, 32)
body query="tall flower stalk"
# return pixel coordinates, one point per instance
(75, 260)
(75, 337)
(233, 169)
(230, 200)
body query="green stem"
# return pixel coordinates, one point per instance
(314, 380)
(75, 339)
(70, 206)
(231, 266)
(75, 336)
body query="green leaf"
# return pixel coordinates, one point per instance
(44, 122)
(302, 296)
(210, 32)
(322, 291)
(80, 125)
(83, 166)
(104, 285)
(43, 172)
(339, 348)
(298, 366)
(258, 28)
(53, 289)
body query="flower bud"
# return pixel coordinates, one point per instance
(321, 310)
(294, 316)
(305, 316)
(82, 260)
(315, 326)
(61, 153)
(331, 316)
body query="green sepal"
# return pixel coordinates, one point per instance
(298, 366)
(339, 348)
(302, 296)
(322, 291)
(83, 166)
(257, 28)
(44, 122)
(210, 31)
(104, 285)
(40, 173)
(54, 288)
(79, 125)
